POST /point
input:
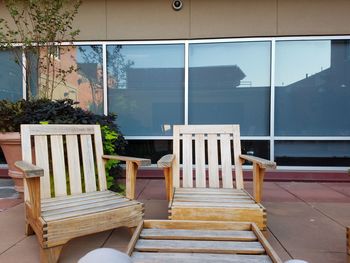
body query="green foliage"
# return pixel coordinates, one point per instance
(10, 113)
(110, 139)
(44, 111)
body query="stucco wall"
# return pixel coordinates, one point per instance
(155, 19)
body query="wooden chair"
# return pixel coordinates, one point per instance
(66, 193)
(195, 197)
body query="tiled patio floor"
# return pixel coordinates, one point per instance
(305, 221)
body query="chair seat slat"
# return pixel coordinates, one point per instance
(89, 210)
(77, 197)
(67, 204)
(93, 203)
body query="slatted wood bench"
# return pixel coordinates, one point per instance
(199, 242)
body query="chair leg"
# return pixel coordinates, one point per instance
(132, 230)
(29, 230)
(50, 255)
(348, 240)
(168, 183)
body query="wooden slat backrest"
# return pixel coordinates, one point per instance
(73, 159)
(42, 160)
(202, 141)
(66, 153)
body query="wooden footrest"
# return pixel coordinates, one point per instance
(199, 241)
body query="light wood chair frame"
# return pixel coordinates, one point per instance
(54, 234)
(212, 134)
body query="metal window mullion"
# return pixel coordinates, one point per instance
(312, 138)
(255, 138)
(24, 76)
(160, 137)
(186, 82)
(104, 72)
(132, 137)
(313, 168)
(272, 100)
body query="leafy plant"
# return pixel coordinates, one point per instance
(44, 111)
(110, 137)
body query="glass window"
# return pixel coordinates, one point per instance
(146, 87)
(10, 76)
(11, 87)
(257, 148)
(312, 153)
(151, 149)
(229, 83)
(312, 88)
(83, 84)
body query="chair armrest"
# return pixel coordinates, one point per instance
(29, 170)
(132, 164)
(138, 161)
(166, 161)
(32, 176)
(259, 166)
(263, 163)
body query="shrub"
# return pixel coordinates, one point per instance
(66, 111)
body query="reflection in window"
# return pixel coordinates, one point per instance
(257, 148)
(146, 87)
(230, 83)
(151, 149)
(312, 88)
(312, 153)
(85, 81)
(10, 76)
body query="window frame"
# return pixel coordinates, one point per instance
(271, 138)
